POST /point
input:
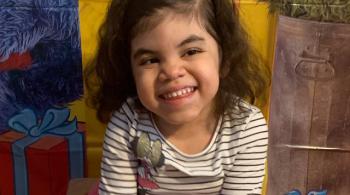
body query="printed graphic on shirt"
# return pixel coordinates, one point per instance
(149, 154)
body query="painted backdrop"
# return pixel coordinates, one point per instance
(41, 143)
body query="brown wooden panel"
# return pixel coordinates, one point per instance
(310, 107)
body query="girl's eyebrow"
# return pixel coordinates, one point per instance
(190, 39)
(142, 51)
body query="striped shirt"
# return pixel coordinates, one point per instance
(233, 163)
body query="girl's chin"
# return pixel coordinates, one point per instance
(176, 119)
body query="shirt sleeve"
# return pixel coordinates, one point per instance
(248, 171)
(118, 165)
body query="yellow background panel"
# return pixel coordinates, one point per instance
(261, 27)
(92, 13)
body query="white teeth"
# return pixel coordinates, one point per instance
(180, 92)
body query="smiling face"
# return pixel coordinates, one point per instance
(176, 70)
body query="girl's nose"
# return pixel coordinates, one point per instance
(171, 70)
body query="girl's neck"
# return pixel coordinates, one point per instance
(192, 137)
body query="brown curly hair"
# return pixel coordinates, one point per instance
(109, 79)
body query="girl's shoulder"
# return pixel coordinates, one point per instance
(242, 112)
(241, 107)
(127, 119)
(131, 107)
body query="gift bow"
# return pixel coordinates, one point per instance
(54, 122)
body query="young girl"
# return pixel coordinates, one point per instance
(173, 76)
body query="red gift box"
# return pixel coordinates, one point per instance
(47, 164)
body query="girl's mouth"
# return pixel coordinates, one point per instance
(178, 93)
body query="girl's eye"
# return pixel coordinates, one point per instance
(192, 52)
(149, 61)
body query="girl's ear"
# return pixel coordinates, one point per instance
(224, 67)
(224, 70)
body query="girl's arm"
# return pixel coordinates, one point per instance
(118, 166)
(248, 171)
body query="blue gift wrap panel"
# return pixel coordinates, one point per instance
(40, 56)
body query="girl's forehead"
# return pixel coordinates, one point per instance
(172, 33)
(149, 23)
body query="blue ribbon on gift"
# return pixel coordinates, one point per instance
(54, 122)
